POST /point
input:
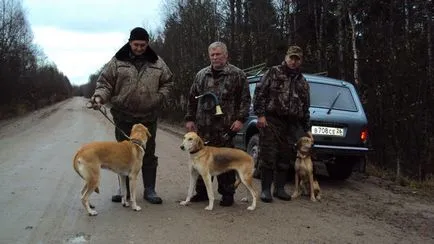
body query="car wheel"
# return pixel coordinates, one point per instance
(253, 150)
(341, 169)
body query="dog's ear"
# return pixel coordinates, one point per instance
(148, 133)
(200, 143)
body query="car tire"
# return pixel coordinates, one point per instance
(341, 169)
(253, 150)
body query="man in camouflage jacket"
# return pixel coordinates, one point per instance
(231, 88)
(136, 81)
(281, 103)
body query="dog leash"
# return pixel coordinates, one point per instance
(111, 121)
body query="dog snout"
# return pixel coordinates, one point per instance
(182, 147)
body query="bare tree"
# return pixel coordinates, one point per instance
(352, 19)
(25, 80)
(340, 37)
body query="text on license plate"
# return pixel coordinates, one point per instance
(329, 131)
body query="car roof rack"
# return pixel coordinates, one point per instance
(324, 73)
(259, 68)
(255, 70)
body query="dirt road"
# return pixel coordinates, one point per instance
(40, 197)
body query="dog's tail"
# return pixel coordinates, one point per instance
(237, 175)
(76, 164)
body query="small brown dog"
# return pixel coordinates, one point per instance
(304, 175)
(208, 161)
(124, 158)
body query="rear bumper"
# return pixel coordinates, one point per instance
(340, 150)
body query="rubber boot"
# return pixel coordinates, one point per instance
(266, 181)
(279, 186)
(226, 188)
(149, 176)
(201, 195)
(118, 196)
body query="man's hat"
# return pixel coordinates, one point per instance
(295, 51)
(139, 33)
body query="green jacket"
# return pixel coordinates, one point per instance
(232, 90)
(285, 94)
(134, 86)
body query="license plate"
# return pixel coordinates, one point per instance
(327, 131)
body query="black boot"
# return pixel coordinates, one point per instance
(199, 197)
(201, 194)
(279, 186)
(227, 200)
(118, 197)
(226, 188)
(149, 176)
(266, 180)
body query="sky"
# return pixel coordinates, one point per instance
(80, 36)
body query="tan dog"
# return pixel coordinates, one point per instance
(208, 161)
(304, 175)
(123, 158)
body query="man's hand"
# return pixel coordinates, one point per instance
(236, 126)
(190, 126)
(95, 102)
(262, 122)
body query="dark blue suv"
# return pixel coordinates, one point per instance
(339, 126)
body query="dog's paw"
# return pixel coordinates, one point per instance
(313, 199)
(93, 213)
(209, 208)
(244, 199)
(184, 203)
(126, 204)
(318, 198)
(137, 208)
(294, 196)
(251, 208)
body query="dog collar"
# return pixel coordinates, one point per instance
(302, 154)
(195, 151)
(138, 143)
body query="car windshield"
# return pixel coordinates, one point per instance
(323, 95)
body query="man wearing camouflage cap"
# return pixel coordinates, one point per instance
(281, 103)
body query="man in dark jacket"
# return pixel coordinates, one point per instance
(281, 103)
(136, 81)
(218, 88)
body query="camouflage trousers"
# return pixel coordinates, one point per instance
(217, 137)
(276, 144)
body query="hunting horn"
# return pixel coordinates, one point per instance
(218, 109)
